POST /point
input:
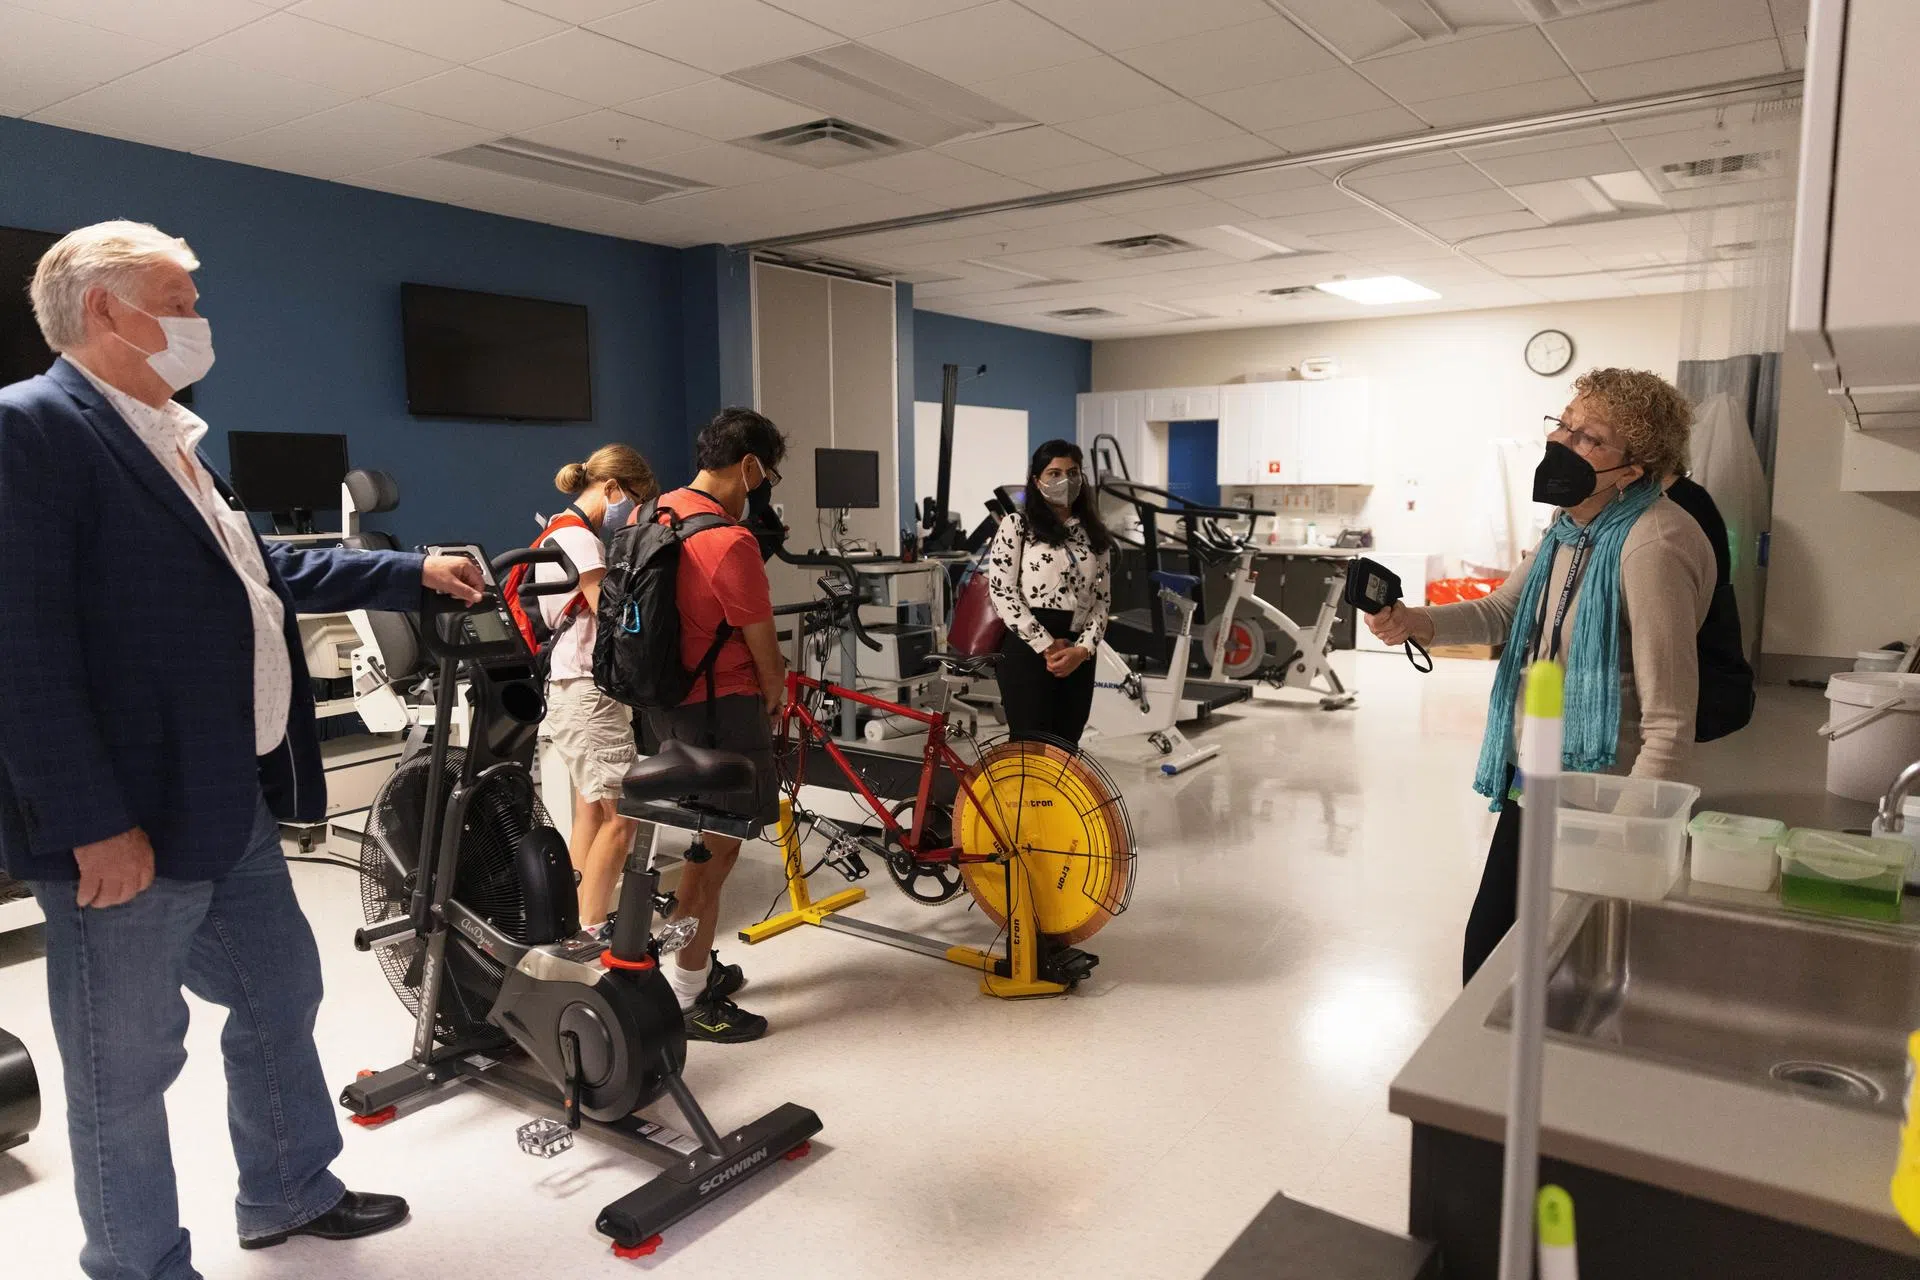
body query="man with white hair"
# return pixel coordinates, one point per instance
(156, 725)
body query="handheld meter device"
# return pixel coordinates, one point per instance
(1372, 587)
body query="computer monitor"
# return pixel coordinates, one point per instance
(845, 478)
(282, 472)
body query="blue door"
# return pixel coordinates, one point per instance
(1193, 461)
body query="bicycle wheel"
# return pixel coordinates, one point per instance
(1055, 813)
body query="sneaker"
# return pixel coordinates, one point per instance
(721, 1021)
(723, 980)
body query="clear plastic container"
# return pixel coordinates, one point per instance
(1736, 851)
(1841, 874)
(1621, 837)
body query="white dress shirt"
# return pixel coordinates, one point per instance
(173, 432)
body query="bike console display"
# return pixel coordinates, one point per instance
(486, 632)
(1372, 587)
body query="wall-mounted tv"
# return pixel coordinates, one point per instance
(486, 355)
(22, 351)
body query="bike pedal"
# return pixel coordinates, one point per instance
(1068, 965)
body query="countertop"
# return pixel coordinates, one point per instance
(1812, 1163)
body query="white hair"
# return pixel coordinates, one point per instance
(104, 255)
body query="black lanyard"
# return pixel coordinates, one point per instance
(1580, 550)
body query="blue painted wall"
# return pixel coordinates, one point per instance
(716, 313)
(1038, 372)
(903, 381)
(301, 280)
(1193, 461)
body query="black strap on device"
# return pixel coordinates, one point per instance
(1372, 587)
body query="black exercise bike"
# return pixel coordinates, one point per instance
(470, 903)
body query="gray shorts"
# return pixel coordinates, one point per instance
(593, 734)
(738, 723)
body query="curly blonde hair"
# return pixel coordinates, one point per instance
(1648, 411)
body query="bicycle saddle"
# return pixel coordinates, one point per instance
(962, 664)
(678, 769)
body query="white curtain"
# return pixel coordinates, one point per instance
(1509, 522)
(1727, 465)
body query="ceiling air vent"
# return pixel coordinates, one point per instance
(1290, 291)
(1083, 313)
(1714, 170)
(853, 82)
(556, 168)
(1134, 248)
(825, 143)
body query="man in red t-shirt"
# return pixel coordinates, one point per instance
(722, 578)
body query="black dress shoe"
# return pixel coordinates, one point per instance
(359, 1213)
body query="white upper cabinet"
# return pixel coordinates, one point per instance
(1293, 432)
(1183, 404)
(1120, 414)
(1336, 432)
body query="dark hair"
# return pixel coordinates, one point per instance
(1042, 524)
(732, 435)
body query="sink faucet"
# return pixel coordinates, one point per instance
(1890, 819)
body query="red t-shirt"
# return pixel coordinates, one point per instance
(722, 578)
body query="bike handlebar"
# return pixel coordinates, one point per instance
(569, 581)
(850, 608)
(441, 616)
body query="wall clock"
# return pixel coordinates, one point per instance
(1549, 352)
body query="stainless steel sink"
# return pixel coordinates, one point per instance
(1774, 1000)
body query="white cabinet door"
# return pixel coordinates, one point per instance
(1120, 414)
(1241, 409)
(1276, 439)
(1183, 404)
(1336, 432)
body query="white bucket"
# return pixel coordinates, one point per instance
(1873, 731)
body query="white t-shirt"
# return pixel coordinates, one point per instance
(573, 653)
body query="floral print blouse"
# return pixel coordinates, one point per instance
(1024, 574)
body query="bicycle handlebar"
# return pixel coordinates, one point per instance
(569, 581)
(850, 609)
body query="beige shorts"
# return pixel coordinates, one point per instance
(593, 734)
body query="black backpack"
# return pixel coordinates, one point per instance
(636, 652)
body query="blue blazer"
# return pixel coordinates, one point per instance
(126, 648)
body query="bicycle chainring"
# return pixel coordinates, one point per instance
(929, 883)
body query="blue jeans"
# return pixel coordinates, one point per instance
(114, 976)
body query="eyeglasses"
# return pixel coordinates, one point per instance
(1584, 441)
(773, 473)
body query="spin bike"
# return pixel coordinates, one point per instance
(1034, 831)
(470, 904)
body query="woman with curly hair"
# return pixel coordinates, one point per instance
(1616, 593)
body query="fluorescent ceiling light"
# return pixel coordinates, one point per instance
(1010, 271)
(1173, 311)
(1271, 246)
(1629, 190)
(1378, 291)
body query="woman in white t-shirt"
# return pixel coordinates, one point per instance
(592, 732)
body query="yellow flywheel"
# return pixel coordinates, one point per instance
(1056, 817)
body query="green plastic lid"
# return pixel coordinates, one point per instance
(1737, 825)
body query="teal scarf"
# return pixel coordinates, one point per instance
(1591, 653)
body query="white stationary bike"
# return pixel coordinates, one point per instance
(1127, 703)
(1249, 634)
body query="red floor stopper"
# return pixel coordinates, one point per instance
(800, 1152)
(641, 1250)
(375, 1118)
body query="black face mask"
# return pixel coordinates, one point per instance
(763, 520)
(1564, 478)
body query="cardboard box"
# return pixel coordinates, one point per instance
(1482, 652)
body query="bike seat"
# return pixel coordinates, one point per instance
(1179, 583)
(962, 664)
(678, 769)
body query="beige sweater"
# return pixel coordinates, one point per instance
(1666, 583)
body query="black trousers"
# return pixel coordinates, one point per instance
(1497, 903)
(1039, 704)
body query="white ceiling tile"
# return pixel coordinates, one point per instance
(1093, 173)
(1152, 128)
(178, 24)
(1371, 243)
(349, 139)
(1353, 218)
(1341, 131)
(1508, 101)
(1642, 32)
(458, 30)
(720, 109)
(319, 54)
(1453, 229)
(1359, 30)
(595, 68)
(1129, 24)
(190, 101)
(611, 135)
(1550, 166)
(1480, 62)
(1234, 149)
(1789, 15)
(1735, 62)
(1145, 200)
(1470, 204)
(988, 43)
(1186, 217)
(1024, 151)
(808, 190)
(1319, 95)
(724, 166)
(716, 35)
(1794, 46)
(1299, 202)
(491, 102)
(984, 190)
(1414, 162)
(864, 17)
(1236, 185)
(1075, 90)
(1538, 262)
(1555, 141)
(45, 59)
(576, 10)
(915, 171)
(1434, 180)
(1231, 58)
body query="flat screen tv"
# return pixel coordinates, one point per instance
(486, 355)
(22, 351)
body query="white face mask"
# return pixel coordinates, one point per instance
(188, 353)
(1065, 490)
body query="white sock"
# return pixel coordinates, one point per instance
(687, 984)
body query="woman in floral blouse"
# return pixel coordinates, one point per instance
(1048, 571)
